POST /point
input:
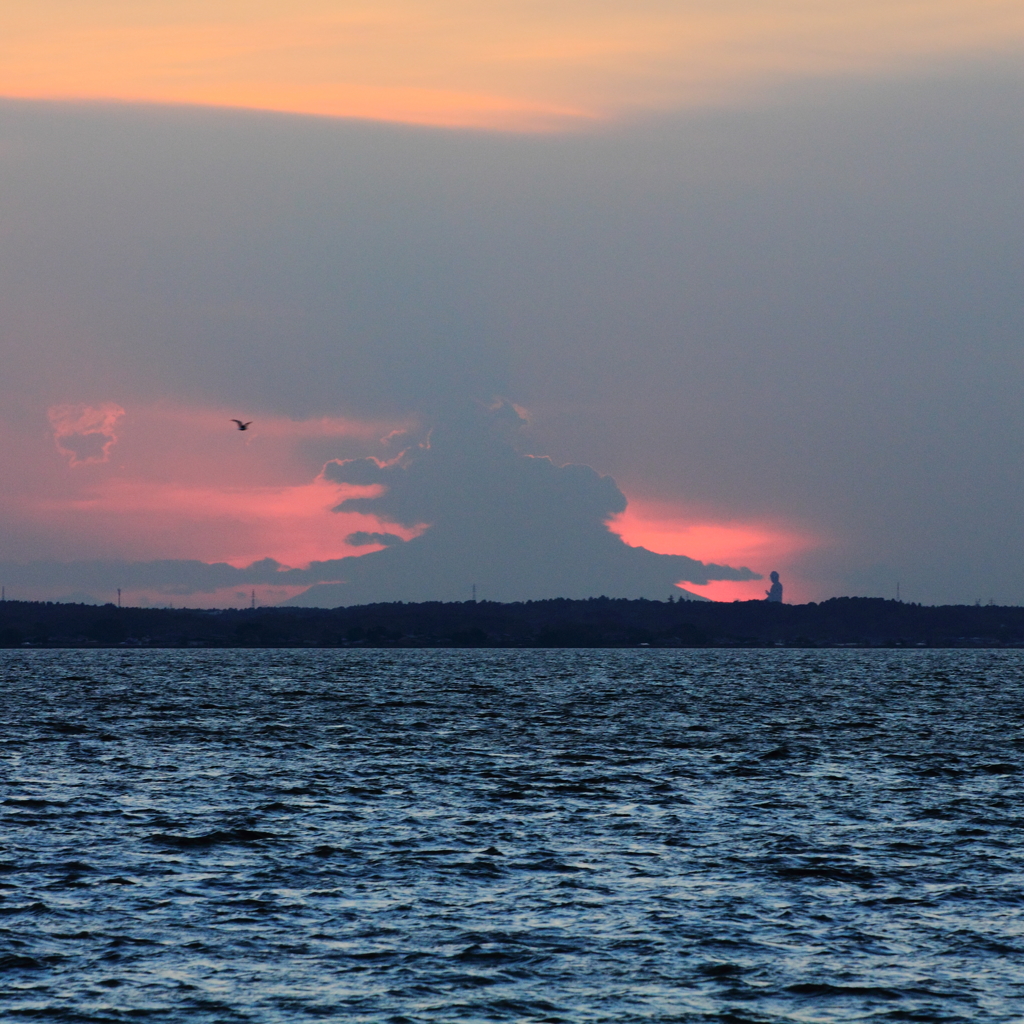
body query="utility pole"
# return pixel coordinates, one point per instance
(254, 600)
(118, 597)
(474, 593)
(897, 590)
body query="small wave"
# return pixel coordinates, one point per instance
(548, 864)
(720, 970)
(12, 962)
(839, 991)
(37, 908)
(477, 954)
(65, 728)
(828, 872)
(234, 835)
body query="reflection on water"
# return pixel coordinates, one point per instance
(511, 835)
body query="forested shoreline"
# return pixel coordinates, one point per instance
(595, 622)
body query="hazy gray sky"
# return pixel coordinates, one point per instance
(790, 330)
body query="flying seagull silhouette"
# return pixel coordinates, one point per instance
(241, 425)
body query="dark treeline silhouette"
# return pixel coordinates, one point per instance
(597, 622)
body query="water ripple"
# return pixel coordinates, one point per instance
(485, 836)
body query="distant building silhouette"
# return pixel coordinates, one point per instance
(775, 594)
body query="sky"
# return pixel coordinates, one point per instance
(551, 300)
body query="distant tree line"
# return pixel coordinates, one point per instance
(596, 622)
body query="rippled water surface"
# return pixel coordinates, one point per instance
(512, 835)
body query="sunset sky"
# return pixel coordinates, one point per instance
(758, 262)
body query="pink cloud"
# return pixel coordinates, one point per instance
(292, 524)
(186, 483)
(673, 530)
(85, 433)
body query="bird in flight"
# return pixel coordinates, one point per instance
(241, 425)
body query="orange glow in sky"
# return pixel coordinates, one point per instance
(759, 546)
(513, 65)
(292, 524)
(169, 482)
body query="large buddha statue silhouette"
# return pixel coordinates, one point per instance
(775, 594)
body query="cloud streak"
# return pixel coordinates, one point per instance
(453, 62)
(169, 482)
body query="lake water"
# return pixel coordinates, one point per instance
(484, 836)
